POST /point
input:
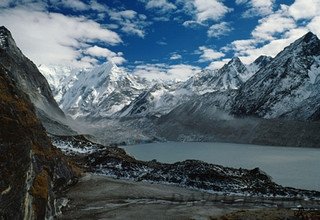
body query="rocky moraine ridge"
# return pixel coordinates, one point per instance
(114, 162)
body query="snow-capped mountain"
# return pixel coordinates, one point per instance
(160, 99)
(100, 92)
(108, 91)
(274, 107)
(60, 78)
(231, 76)
(287, 87)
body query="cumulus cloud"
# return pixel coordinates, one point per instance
(274, 24)
(278, 30)
(220, 29)
(208, 54)
(165, 72)
(100, 52)
(53, 38)
(305, 9)
(257, 7)
(210, 10)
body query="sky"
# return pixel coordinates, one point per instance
(156, 39)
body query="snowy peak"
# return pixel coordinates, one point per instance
(232, 74)
(99, 92)
(259, 63)
(288, 84)
(310, 38)
(309, 44)
(262, 61)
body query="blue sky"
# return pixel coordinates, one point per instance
(168, 39)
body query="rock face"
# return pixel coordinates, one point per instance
(28, 78)
(31, 169)
(279, 105)
(288, 87)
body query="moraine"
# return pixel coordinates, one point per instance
(292, 167)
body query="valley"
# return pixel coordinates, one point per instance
(65, 128)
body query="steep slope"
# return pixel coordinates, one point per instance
(259, 63)
(100, 92)
(288, 87)
(60, 78)
(160, 99)
(31, 169)
(230, 76)
(270, 108)
(32, 82)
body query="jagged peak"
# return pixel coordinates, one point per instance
(262, 60)
(6, 40)
(235, 60)
(4, 35)
(3, 29)
(310, 37)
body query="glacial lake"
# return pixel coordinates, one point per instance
(288, 166)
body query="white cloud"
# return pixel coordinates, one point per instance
(208, 54)
(162, 5)
(164, 72)
(192, 24)
(257, 7)
(74, 4)
(276, 23)
(314, 25)
(99, 52)
(209, 10)
(305, 9)
(274, 32)
(220, 29)
(175, 56)
(52, 38)
(162, 43)
(130, 21)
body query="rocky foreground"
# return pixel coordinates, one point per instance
(114, 162)
(117, 186)
(100, 197)
(32, 170)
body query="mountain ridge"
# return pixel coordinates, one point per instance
(33, 83)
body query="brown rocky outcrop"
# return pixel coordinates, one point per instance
(32, 170)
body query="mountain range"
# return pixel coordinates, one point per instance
(273, 101)
(234, 103)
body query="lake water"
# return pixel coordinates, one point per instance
(295, 167)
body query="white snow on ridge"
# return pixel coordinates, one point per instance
(314, 71)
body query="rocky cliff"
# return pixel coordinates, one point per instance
(28, 78)
(31, 169)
